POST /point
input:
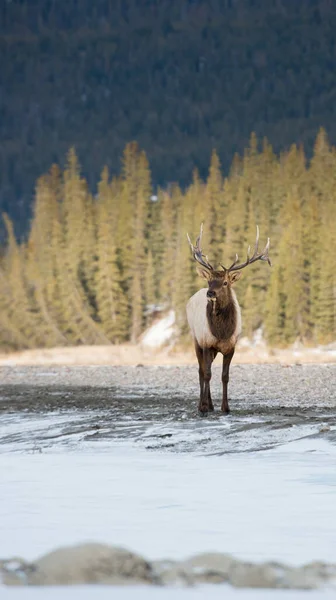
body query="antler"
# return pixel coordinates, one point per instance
(197, 252)
(256, 256)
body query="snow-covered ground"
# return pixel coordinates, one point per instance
(145, 593)
(273, 504)
(221, 592)
(278, 504)
(160, 332)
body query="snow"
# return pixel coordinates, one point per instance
(258, 485)
(145, 593)
(258, 506)
(277, 504)
(160, 332)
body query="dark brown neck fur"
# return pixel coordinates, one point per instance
(222, 317)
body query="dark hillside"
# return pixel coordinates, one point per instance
(181, 77)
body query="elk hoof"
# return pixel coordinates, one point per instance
(203, 411)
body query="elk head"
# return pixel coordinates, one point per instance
(220, 282)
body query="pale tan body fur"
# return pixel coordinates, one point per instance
(199, 327)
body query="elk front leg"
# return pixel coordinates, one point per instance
(205, 404)
(225, 379)
(211, 406)
(199, 354)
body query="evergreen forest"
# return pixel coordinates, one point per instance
(97, 268)
(179, 76)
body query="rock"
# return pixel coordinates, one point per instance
(301, 579)
(275, 575)
(170, 572)
(86, 563)
(210, 567)
(265, 575)
(311, 576)
(14, 571)
(102, 564)
(324, 428)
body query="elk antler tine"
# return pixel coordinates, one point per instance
(256, 255)
(197, 251)
(256, 243)
(266, 252)
(234, 263)
(198, 241)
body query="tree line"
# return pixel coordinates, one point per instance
(95, 269)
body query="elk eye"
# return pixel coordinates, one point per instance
(225, 283)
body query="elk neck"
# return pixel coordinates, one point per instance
(222, 315)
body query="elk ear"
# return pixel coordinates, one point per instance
(235, 276)
(203, 273)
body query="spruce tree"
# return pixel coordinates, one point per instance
(214, 205)
(275, 308)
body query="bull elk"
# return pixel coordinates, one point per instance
(214, 317)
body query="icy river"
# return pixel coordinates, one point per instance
(119, 455)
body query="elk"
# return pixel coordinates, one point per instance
(214, 317)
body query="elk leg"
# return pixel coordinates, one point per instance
(206, 403)
(225, 379)
(199, 354)
(211, 406)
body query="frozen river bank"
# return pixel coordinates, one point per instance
(120, 456)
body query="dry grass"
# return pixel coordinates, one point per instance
(128, 354)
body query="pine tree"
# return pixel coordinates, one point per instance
(112, 306)
(235, 221)
(135, 212)
(168, 244)
(275, 308)
(292, 260)
(74, 302)
(325, 309)
(183, 273)
(214, 204)
(150, 290)
(11, 335)
(143, 193)
(154, 252)
(249, 321)
(39, 260)
(19, 309)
